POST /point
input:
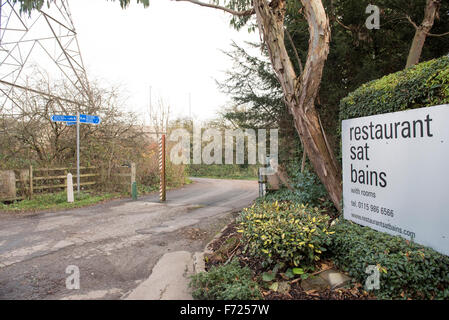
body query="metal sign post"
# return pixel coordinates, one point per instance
(77, 120)
(78, 189)
(262, 183)
(162, 186)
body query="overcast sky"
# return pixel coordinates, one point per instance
(173, 47)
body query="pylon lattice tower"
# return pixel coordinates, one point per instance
(45, 39)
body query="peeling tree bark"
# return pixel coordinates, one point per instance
(300, 92)
(422, 31)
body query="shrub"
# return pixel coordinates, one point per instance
(225, 282)
(284, 232)
(308, 189)
(281, 195)
(426, 84)
(407, 270)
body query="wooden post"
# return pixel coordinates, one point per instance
(162, 186)
(70, 197)
(133, 181)
(133, 173)
(31, 182)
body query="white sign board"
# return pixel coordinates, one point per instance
(396, 174)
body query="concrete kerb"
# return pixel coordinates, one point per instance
(218, 235)
(198, 257)
(170, 277)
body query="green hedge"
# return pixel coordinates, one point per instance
(308, 189)
(225, 282)
(426, 84)
(408, 270)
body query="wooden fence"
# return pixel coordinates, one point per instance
(32, 181)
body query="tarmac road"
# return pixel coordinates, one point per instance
(115, 245)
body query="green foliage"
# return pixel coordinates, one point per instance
(125, 3)
(225, 171)
(253, 86)
(309, 187)
(282, 195)
(308, 190)
(407, 270)
(29, 5)
(56, 201)
(284, 232)
(423, 85)
(225, 282)
(257, 98)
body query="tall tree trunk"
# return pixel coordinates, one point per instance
(430, 13)
(300, 93)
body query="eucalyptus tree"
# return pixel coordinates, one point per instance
(422, 31)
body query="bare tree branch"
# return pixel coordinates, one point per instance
(295, 51)
(341, 23)
(438, 35)
(411, 21)
(427, 33)
(431, 13)
(214, 6)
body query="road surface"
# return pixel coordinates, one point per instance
(115, 245)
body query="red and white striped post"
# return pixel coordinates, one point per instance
(162, 189)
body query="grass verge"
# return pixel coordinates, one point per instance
(56, 201)
(228, 177)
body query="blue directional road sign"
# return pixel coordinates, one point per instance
(84, 118)
(71, 120)
(63, 118)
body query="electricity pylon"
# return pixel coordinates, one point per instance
(45, 39)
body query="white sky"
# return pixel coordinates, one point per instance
(174, 47)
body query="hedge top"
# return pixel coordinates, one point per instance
(424, 85)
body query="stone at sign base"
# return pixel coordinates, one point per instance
(70, 197)
(284, 287)
(335, 279)
(329, 279)
(314, 283)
